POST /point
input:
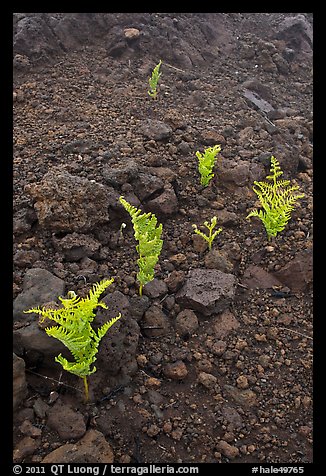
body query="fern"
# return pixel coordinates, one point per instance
(211, 236)
(74, 329)
(206, 163)
(153, 80)
(149, 246)
(277, 200)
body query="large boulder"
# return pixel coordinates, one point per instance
(297, 32)
(67, 203)
(39, 287)
(207, 291)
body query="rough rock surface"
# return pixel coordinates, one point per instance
(118, 347)
(145, 185)
(245, 398)
(116, 176)
(67, 203)
(155, 323)
(42, 37)
(39, 287)
(230, 451)
(64, 420)
(76, 246)
(19, 381)
(37, 347)
(155, 288)
(165, 205)
(176, 370)
(298, 273)
(26, 447)
(92, 448)
(232, 416)
(155, 130)
(186, 322)
(257, 277)
(224, 324)
(207, 291)
(207, 380)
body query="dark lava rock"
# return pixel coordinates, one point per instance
(297, 274)
(155, 288)
(67, 203)
(155, 130)
(117, 352)
(92, 448)
(19, 381)
(155, 323)
(146, 184)
(165, 205)
(76, 246)
(207, 291)
(186, 322)
(256, 277)
(39, 287)
(66, 422)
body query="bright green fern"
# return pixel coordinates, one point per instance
(210, 226)
(153, 80)
(74, 329)
(149, 240)
(277, 200)
(206, 163)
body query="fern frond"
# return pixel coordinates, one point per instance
(70, 302)
(101, 331)
(153, 80)
(275, 170)
(74, 330)
(81, 369)
(74, 341)
(210, 226)
(277, 200)
(206, 162)
(149, 246)
(97, 290)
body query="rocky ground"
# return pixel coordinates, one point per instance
(214, 362)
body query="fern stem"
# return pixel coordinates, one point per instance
(140, 290)
(86, 388)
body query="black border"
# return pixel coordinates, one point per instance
(7, 213)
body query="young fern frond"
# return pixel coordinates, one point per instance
(277, 200)
(153, 80)
(210, 227)
(148, 234)
(74, 329)
(206, 164)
